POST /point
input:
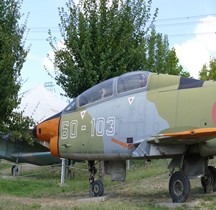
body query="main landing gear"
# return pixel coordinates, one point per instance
(179, 187)
(208, 181)
(190, 166)
(96, 186)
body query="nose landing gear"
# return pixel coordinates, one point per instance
(96, 186)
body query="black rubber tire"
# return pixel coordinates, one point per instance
(179, 187)
(97, 188)
(206, 182)
(209, 181)
(14, 170)
(213, 173)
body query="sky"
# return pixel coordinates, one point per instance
(189, 24)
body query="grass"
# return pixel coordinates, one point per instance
(45, 181)
(40, 182)
(145, 187)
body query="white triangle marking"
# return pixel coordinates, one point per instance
(130, 100)
(83, 114)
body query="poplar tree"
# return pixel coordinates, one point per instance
(103, 39)
(208, 71)
(12, 57)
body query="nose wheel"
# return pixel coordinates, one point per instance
(96, 186)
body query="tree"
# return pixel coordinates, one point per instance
(208, 71)
(104, 39)
(12, 57)
(160, 58)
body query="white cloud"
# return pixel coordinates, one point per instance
(194, 53)
(33, 58)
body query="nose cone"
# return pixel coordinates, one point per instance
(48, 128)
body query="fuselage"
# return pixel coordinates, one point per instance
(22, 152)
(111, 119)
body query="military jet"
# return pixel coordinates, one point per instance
(140, 115)
(22, 152)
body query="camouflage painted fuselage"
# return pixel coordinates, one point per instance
(120, 125)
(21, 152)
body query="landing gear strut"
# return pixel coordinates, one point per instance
(96, 186)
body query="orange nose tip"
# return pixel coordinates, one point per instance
(48, 128)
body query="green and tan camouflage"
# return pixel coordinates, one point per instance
(19, 151)
(140, 115)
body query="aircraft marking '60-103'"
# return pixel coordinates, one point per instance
(140, 115)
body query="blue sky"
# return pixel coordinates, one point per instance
(189, 24)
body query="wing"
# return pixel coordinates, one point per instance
(36, 158)
(193, 136)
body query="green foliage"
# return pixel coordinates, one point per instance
(160, 58)
(12, 57)
(18, 125)
(208, 71)
(103, 39)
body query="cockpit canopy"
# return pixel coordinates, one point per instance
(131, 81)
(118, 85)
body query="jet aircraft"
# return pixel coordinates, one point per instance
(22, 152)
(140, 115)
